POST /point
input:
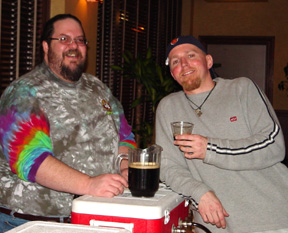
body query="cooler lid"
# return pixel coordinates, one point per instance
(49, 227)
(126, 205)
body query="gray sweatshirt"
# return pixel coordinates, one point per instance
(243, 160)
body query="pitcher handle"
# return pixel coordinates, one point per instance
(118, 161)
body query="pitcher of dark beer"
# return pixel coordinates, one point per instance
(144, 170)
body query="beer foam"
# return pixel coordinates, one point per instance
(146, 165)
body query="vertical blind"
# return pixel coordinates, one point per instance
(21, 23)
(133, 25)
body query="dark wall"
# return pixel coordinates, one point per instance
(283, 118)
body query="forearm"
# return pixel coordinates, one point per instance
(56, 175)
(179, 178)
(174, 170)
(257, 152)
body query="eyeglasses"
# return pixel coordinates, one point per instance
(67, 40)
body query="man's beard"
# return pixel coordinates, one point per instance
(72, 75)
(68, 74)
(190, 85)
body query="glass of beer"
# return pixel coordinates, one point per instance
(144, 171)
(181, 127)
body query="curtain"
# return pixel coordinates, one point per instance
(133, 25)
(21, 23)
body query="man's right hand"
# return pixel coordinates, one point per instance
(107, 185)
(212, 211)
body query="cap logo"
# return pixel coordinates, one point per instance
(174, 41)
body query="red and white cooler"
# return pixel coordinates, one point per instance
(138, 215)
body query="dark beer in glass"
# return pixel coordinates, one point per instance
(143, 179)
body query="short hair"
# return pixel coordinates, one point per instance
(48, 29)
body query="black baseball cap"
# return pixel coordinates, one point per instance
(186, 40)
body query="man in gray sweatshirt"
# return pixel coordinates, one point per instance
(230, 166)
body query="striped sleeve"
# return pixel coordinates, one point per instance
(25, 141)
(248, 149)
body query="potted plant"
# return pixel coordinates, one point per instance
(152, 86)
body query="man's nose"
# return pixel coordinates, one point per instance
(183, 61)
(73, 44)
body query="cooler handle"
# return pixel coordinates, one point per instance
(127, 226)
(166, 216)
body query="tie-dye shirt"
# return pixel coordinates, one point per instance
(80, 123)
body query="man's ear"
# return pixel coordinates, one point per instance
(45, 47)
(209, 60)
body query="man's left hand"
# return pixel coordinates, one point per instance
(194, 146)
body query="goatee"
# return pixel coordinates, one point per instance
(72, 75)
(190, 85)
(75, 74)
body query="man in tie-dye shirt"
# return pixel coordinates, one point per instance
(60, 131)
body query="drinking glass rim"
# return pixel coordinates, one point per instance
(181, 123)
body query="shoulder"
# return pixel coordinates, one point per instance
(173, 96)
(236, 83)
(241, 87)
(93, 81)
(91, 77)
(25, 90)
(29, 82)
(20, 95)
(171, 99)
(23, 86)
(97, 88)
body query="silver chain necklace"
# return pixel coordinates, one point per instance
(198, 108)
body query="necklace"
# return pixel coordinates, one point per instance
(198, 108)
